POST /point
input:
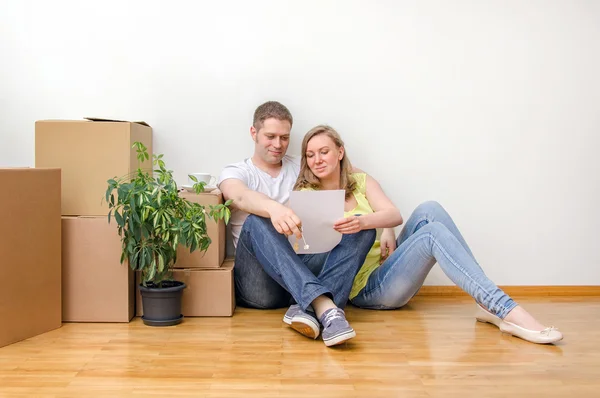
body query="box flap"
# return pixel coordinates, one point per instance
(27, 169)
(91, 119)
(99, 119)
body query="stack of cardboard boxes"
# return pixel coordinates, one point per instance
(96, 287)
(29, 253)
(208, 275)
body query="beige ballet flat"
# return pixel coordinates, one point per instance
(546, 336)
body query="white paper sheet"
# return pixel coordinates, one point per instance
(317, 210)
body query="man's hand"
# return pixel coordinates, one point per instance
(387, 243)
(348, 225)
(285, 220)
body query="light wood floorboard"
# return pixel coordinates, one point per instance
(431, 348)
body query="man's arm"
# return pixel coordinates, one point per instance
(283, 218)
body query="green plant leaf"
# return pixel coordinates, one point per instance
(136, 217)
(134, 260)
(152, 271)
(153, 220)
(119, 219)
(161, 263)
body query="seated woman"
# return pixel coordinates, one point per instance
(394, 270)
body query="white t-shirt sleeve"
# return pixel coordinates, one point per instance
(237, 171)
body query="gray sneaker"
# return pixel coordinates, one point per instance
(336, 328)
(303, 322)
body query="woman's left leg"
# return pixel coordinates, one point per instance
(430, 235)
(432, 211)
(402, 274)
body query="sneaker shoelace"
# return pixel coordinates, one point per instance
(331, 315)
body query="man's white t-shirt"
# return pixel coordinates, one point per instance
(277, 188)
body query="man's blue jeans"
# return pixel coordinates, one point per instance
(430, 236)
(269, 274)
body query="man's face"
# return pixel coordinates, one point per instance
(271, 140)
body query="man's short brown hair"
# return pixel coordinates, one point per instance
(268, 110)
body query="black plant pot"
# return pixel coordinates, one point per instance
(162, 306)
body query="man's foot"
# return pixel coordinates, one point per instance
(303, 322)
(336, 328)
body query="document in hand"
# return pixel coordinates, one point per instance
(317, 210)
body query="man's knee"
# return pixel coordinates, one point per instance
(253, 222)
(364, 237)
(259, 225)
(359, 242)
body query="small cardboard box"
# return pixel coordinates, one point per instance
(89, 152)
(96, 287)
(30, 253)
(208, 291)
(215, 254)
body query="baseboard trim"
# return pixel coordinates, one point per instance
(542, 291)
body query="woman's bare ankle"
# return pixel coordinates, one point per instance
(520, 317)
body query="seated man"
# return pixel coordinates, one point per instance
(268, 273)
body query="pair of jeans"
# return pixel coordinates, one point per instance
(269, 274)
(430, 236)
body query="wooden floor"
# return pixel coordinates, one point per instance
(431, 348)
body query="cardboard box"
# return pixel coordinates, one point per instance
(215, 254)
(29, 253)
(208, 292)
(96, 286)
(89, 152)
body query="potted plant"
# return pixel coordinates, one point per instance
(152, 220)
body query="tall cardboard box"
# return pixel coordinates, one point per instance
(89, 152)
(215, 254)
(208, 291)
(29, 253)
(96, 286)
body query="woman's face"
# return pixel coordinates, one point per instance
(323, 156)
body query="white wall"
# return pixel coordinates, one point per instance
(490, 107)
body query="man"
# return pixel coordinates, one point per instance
(268, 273)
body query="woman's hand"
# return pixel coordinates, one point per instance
(387, 243)
(349, 225)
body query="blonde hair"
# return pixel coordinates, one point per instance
(306, 178)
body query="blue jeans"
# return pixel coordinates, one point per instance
(430, 236)
(269, 274)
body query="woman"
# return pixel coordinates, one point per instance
(394, 270)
